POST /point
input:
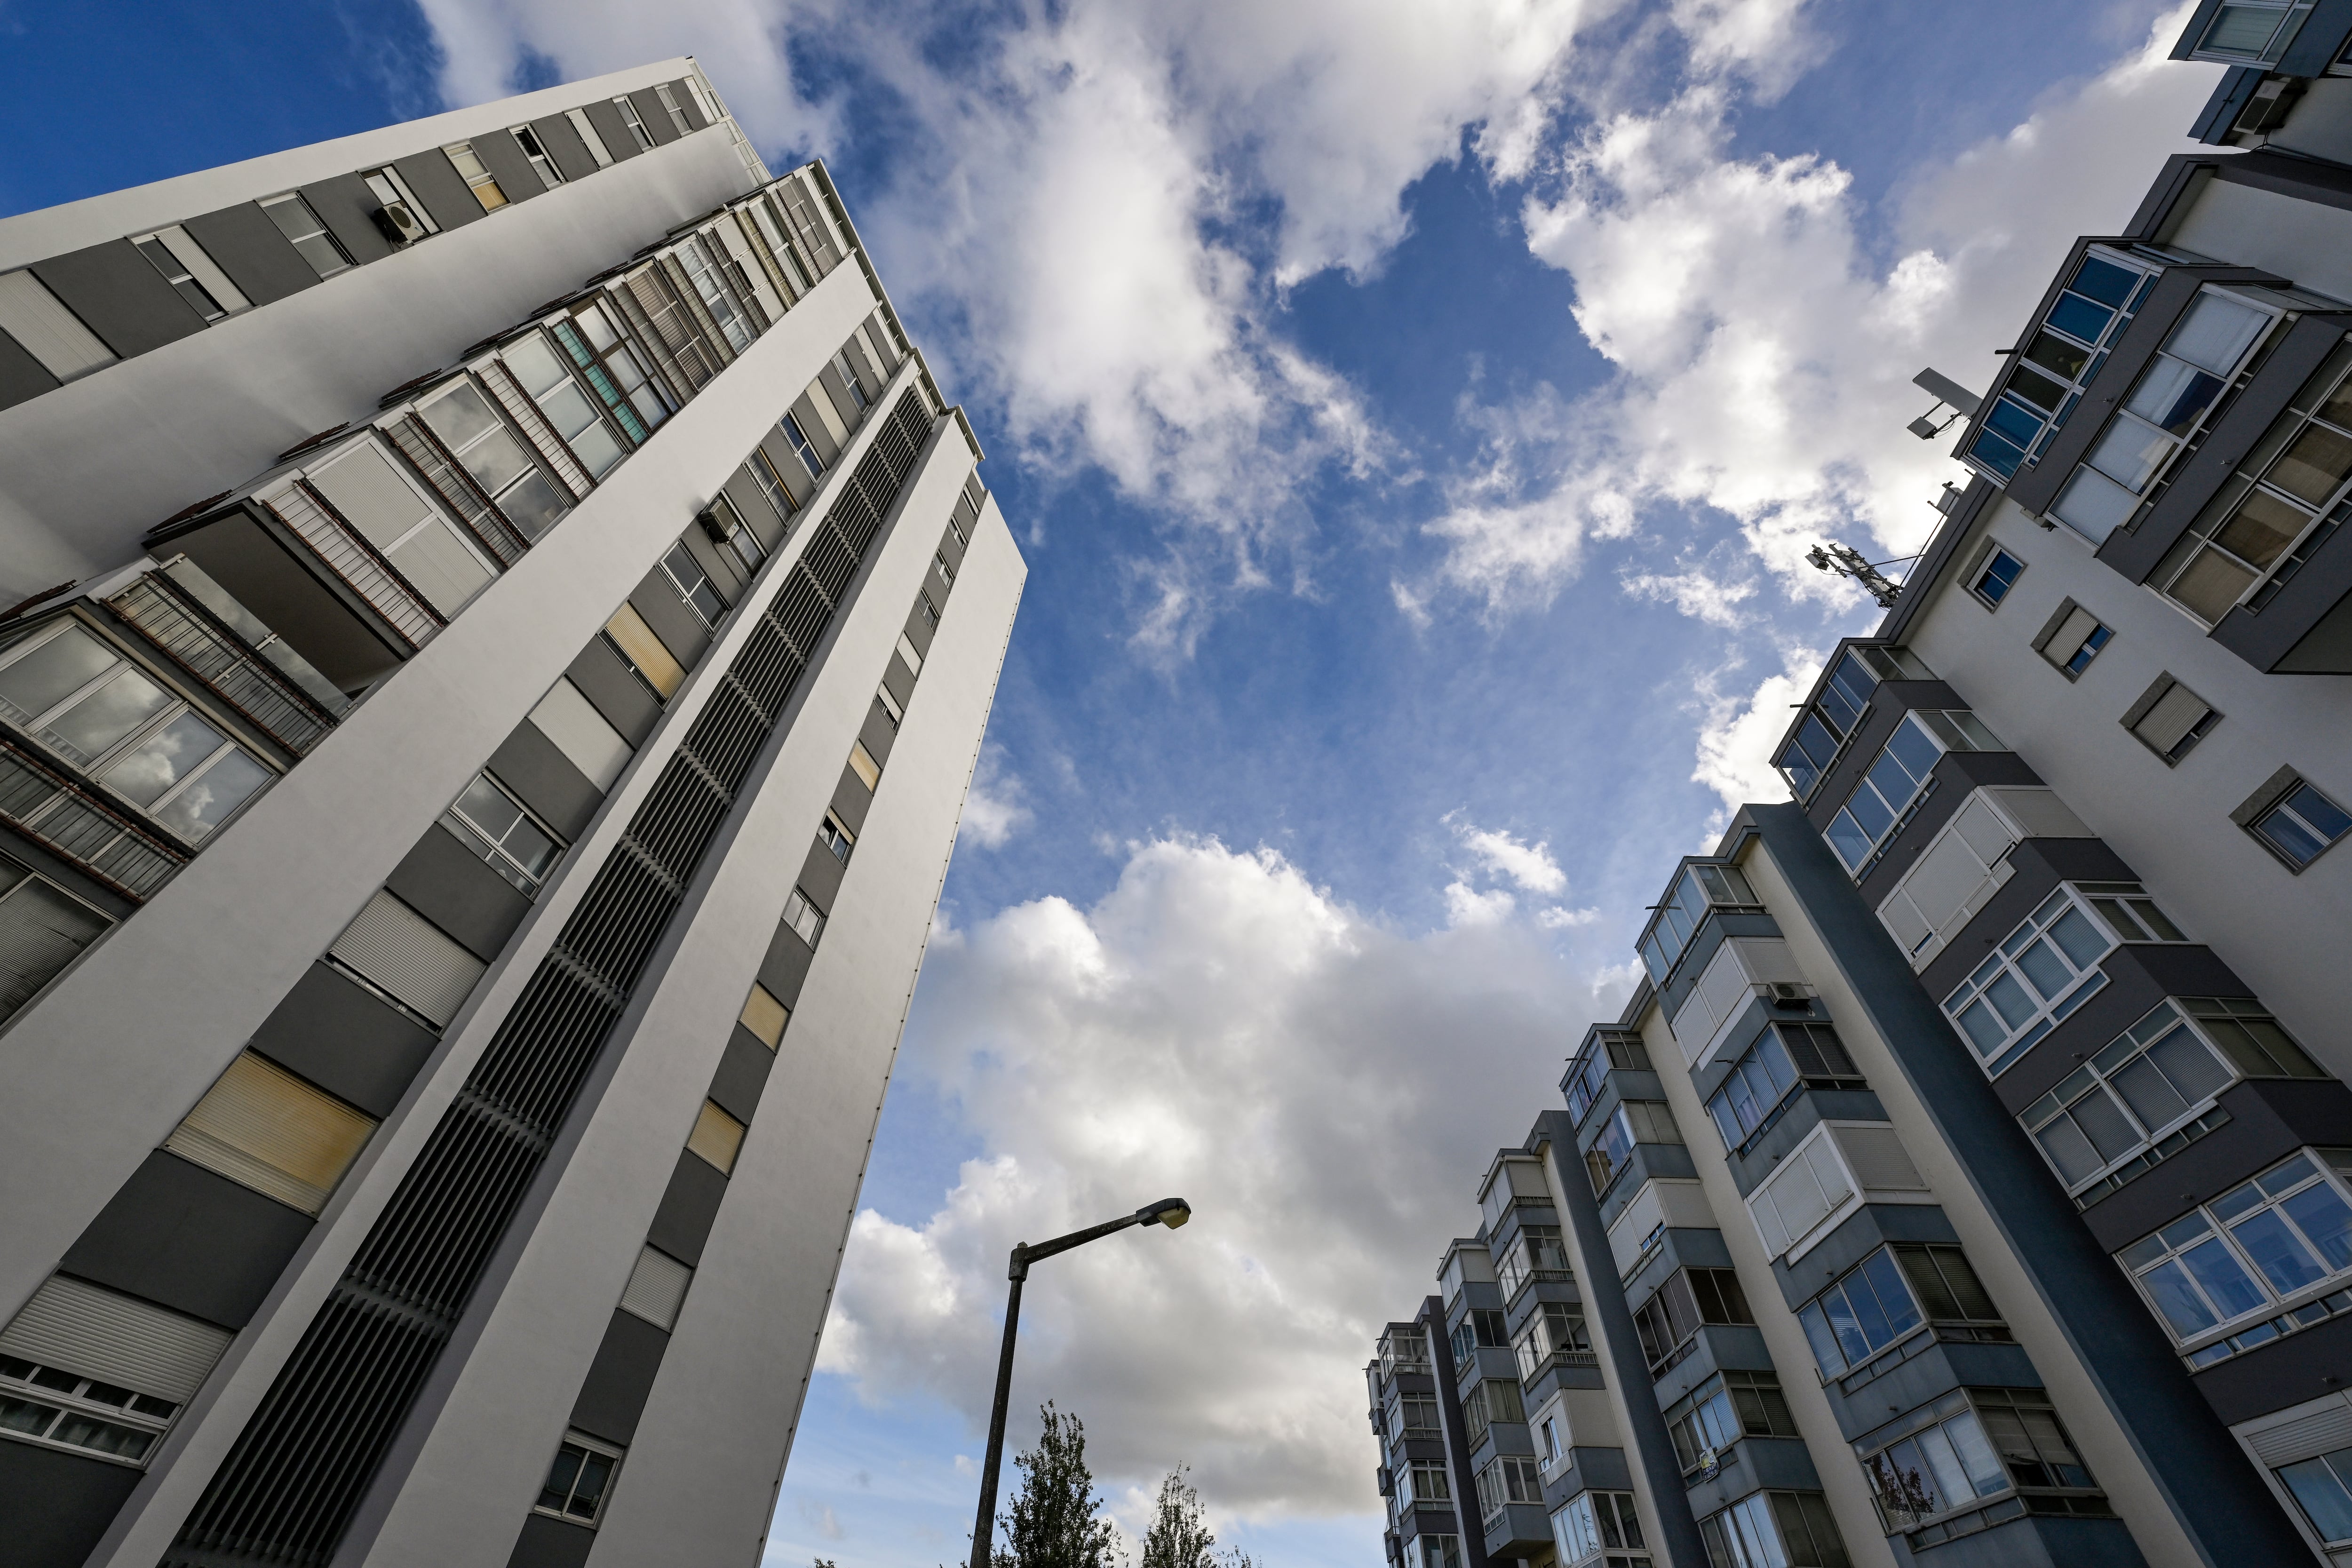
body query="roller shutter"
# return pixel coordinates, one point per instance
(117, 1339)
(391, 945)
(260, 1125)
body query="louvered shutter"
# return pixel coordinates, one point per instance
(396, 948)
(656, 1288)
(78, 1326)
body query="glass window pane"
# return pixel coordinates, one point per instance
(2043, 969)
(2314, 466)
(2130, 451)
(2320, 812)
(2177, 1301)
(1913, 747)
(2150, 1095)
(53, 671)
(495, 460)
(2325, 1221)
(1848, 840)
(206, 803)
(2262, 528)
(2215, 331)
(2277, 1251)
(534, 365)
(2227, 1284)
(2191, 1068)
(2211, 584)
(2077, 938)
(1984, 1029)
(2056, 353)
(108, 714)
(2077, 317)
(533, 504)
(2009, 999)
(2069, 1151)
(2103, 280)
(2105, 1124)
(2323, 1496)
(459, 416)
(162, 759)
(1977, 1457)
(1886, 1280)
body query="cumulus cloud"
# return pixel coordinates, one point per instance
(1737, 733)
(1561, 918)
(1468, 906)
(992, 808)
(1219, 1027)
(1529, 864)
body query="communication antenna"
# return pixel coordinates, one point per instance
(1948, 394)
(1844, 561)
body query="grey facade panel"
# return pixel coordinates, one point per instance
(2139, 976)
(343, 204)
(547, 1541)
(503, 155)
(346, 1039)
(2036, 866)
(454, 888)
(22, 377)
(572, 159)
(788, 465)
(820, 437)
(183, 1237)
(528, 764)
(2302, 629)
(613, 690)
(821, 875)
(2269, 1119)
(899, 679)
(878, 735)
(56, 1504)
(752, 505)
(656, 118)
(1858, 1235)
(920, 631)
(257, 256)
(438, 187)
(613, 1395)
(786, 965)
(679, 629)
(2285, 1372)
(2319, 40)
(694, 116)
(836, 391)
(742, 1074)
(120, 296)
(851, 799)
(1864, 1401)
(682, 1223)
(614, 129)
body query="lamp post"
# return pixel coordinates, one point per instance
(1169, 1212)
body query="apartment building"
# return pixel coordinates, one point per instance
(503, 623)
(1968, 1180)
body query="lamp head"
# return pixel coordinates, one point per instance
(1169, 1212)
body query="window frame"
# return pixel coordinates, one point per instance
(182, 274)
(2229, 1333)
(513, 354)
(1837, 710)
(2028, 428)
(2292, 13)
(803, 448)
(1582, 1535)
(393, 188)
(508, 498)
(2034, 935)
(1923, 724)
(635, 121)
(297, 201)
(492, 851)
(674, 563)
(772, 486)
(836, 836)
(1698, 889)
(2278, 798)
(535, 154)
(590, 137)
(590, 1447)
(87, 1401)
(1723, 1106)
(634, 397)
(1896, 1275)
(1735, 1544)
(803, 915)
(2066, 653)
(2021, 1411)
(478, 182)
(1987, 570)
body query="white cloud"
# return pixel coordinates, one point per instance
(1529, 864)
(1560, 918)
(1220, 1029)
(992, 808)
(1736, 734)
(1694, 593)
(1466, 907)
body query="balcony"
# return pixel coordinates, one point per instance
(199, 641)
(79, 825)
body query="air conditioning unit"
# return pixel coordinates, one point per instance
(719, 526)
(1788, 995)
(399, 225)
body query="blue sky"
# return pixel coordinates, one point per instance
(1415, 415)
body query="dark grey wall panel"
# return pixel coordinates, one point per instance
(614, 129)
(724, 573)
(851, 799)
(503, 155)
(788, 464)
(752, 504)
(572, 159)
(347, 1040)
(820, 434)
(343, 204)
(742, 1074)
(786, 965)
(120, 296)
(22, 377)
(248, 246)
(614, 1395)
(613, 690)
(682, 1223)
(449, 885)
(2269, 1119)
(2307, 1365)
(821, 875)
(843, 403)
(291, 596)
(528, 764)
(686, 106)
(190, 1240)
(878, 735)
(899, 679)
(2037, 864)
(56, 1504)
(919, 631)
(680, 630)
(438, 186)
(656, 118)
(547, 1541)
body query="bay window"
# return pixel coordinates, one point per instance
(461, 418)
(1774, 1530)
(1595, 1523)
(1784, 1056)
(1974, 1444)
(1535, 1253)
(1686, 903)
(1727, 1407)
(1556, 1332)
(2281, 1237)
(1899, 779)
(1636, 1122)
(569, 409)
(2039, 974)
(2066, 350)
(1886, 1296)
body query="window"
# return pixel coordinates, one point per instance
(628, 107)
(1424, 1480)
(1504, 1480)
(1728, 1406)
(2281, 505)
(1969, 1446)
(1433, 1551)
(579, 1479)
(1535, 1254)
(2129, 912)
(645, 653)
(1995, 577)
(656, 1288)
(1548, 1437)
(1689, 1297)
(305, 233)
(955, 527)
(589, 135)
(93, 707)
(1774, 1530)
(1554, 1335)
(1636, 1121)
(2073, 639)
(908, 656)
(2169, 720)
(677, 115)
(2266, 1242)
(742, 546)
(567, 408)
(1416, 1415)
(928, 610)
(841, 367)
(1685, 904)
(836, 836)
(2063, 356)
(890, 707)
(2149, 1093)
(262, 1127)
(2292, 820)
(2038, 975)
(1831, 719)
(806, 920)
(45, 329)
(2257, 30)
(550, 176)
(477, 179)
(636, 401)
(705, 100)
(1783, 1055)
(765, 1016)
(1590, 1075)
(70, 1411)
(1898, 780)
(392, 193)
(1886, 1296)
(801, 447)
(191, 273)
(498, 829)
(42, 928)
(862, 764)
(771, 484)
(1479, 1327)
(464, 422)
(693, 586)
(2322, 1488)
(939, 565)
(1594, 1523)
(717, 1137)
(717, 297)
(2179, 384)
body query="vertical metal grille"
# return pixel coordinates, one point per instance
(287, 1489)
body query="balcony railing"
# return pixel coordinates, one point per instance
(199, 644)
(61, 817)
(314, 521)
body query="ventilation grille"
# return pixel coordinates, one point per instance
(311, 1447)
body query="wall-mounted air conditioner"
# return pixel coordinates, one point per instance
(400, 226)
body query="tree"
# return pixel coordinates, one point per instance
(1057, 1520)
(1179, 1536)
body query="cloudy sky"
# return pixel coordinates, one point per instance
(1415, 414)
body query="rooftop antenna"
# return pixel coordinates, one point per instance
(1948, 394)
(1844, 561)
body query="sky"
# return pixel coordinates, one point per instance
(1415, 415)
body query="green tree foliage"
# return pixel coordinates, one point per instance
(1057, 1520)
(1179, 1536)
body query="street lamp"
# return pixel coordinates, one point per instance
(1169, 1212)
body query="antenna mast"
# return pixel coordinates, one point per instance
(1844, 561)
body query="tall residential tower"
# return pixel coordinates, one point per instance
(503, 623)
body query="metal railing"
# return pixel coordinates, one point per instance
(313, 519)
(63, 818)
(189, 634)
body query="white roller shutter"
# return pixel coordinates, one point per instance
(1878, 1159)
(1963, 866)
(81, 1328)
(396, 948)
(1810, 1185)
(2321, 1431)
(656, 1288)
(572, 724)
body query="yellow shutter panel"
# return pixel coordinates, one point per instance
(717, 1136)
(648, 652)
(262, 1126)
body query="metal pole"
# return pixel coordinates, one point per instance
(983, 1525)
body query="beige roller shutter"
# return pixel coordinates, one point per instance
(260, 1125)
(79, 1327)
(656, 1288)
(717, 1137)
(392, 946)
